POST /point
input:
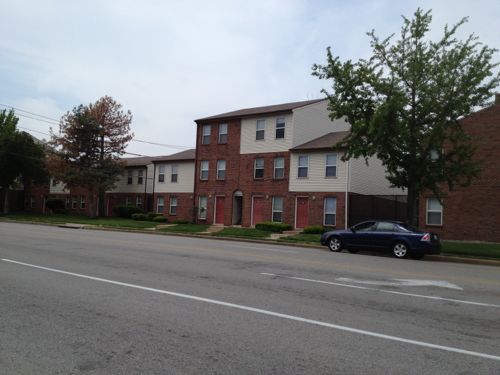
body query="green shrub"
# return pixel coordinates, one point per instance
(181, 222)
(126, 211)
(152, 215)
(56, 205)
(160, 219)
(139, 217)
(314, 229)
(273, 227)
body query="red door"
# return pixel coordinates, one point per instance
(219, 210)
(258, 210)
(302, 212)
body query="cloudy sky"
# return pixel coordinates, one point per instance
(171, 62)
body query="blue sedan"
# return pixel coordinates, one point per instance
(395, 236)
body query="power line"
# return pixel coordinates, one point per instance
(31, 113)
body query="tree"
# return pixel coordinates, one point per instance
(405, 102)
(91, 139)
(21, 157)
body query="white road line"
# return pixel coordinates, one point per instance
(267, 312)
(385, 291)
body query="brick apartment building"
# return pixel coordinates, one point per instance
(276, 163)
(473, 212)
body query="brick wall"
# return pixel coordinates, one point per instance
(184, 205)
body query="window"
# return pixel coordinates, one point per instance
(140, 177)
(222, 133)
(383, 226)
(331, 165)
(67, 203)
(277, 209)
(279, 167)
(260, 130)
(202, 208)
(54, 182)
(128, 201)
(303, 166)
(330, 211)
(160, 203)
(280, 127)
(32, 202)
(161, 173)
(129, 177)
(259, 168)
(138, 201)
(175, 173)
(74, 203)
(173, 205)
(204, 170)
(82, 202)
(434, 212)
(221, 169)
(207, 131)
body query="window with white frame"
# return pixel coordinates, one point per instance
(330, 211)
(140, 177)
(82, 202)
(279, 167)
(260, 130)
(202, 207)
(128, 201)
(277, 209)
(280, 127)
(138, 201)
(175, 173)
(303, 166)
(204, 170)
(129, 177)
(173, 206)
(434, 212)
(160, 204)
(161, 173)
(259, 168)
(221, 169)
(222, 133)
(206, 132)
(74, 203)
(331, 165)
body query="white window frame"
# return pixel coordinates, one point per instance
(173, 206)
(82, 202)
(221, 171)
(202, 207)
(334, 213)
(140, 177)
(274, 210)
(260, 128)
(280, 126)
(203, 164)
(330, 165)
(261, 168)
(138, 201)
(428, 211)
(222, 132)
(128, 201)
(161, 173)
(174, 171)
(276, 167)
(158, 205)
(206, 133)
(130, 177)
(299, 166)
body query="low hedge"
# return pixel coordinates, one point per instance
(160, 219)
(273, 227)
(314, 229)
(180, 222)
(139, 217)
(126, 211)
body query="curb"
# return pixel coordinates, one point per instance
(435, 258)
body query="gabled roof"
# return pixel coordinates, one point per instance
(325, 142)
(179, 156)
(246, 112)
(138, 161)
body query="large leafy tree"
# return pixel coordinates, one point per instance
(405, 102)
(21, 157)
(87, 149)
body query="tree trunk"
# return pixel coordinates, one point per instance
(92, 205)
(6, 201)
(101, 203)
(412, 207)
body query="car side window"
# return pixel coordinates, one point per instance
(386, 227)
(365, 227)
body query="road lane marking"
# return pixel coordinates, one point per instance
(402, 282)
(384, 291)
(267, 312)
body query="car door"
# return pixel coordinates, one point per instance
(360, 237)
(383, 235)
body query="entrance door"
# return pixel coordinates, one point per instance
(219, 210)
(302, 212)
(258, 210)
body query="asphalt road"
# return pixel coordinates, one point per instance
(95, 302)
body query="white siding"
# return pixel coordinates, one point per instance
(121, 185)
(316, 180)
(185, 178)
(312, 121)
(249, 145)
(58, 188)
(370, 179)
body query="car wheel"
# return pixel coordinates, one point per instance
(334, 244)
(400, 250)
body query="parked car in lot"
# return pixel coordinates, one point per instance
(384, 235)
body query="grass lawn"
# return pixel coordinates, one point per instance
(111, 222)
(471, 249)
(302, 238)
(242, 233)
(185, 228)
